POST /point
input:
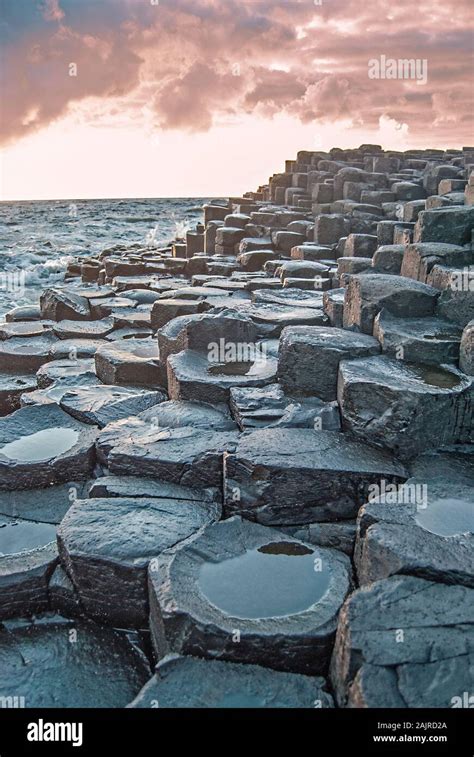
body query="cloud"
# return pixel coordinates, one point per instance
(193, 63)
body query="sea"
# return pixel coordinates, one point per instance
(39, 238)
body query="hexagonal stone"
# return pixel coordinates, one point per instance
(83, 329)
(423, 529)
(12, 386)
(104, 404)
(309, 358)
(270, 406)
(42, 445)
(133, 362)
(293, 476)
(191, 682)
(48, 505)
(40, 659)
(279, 596)
(191, 456)
(71, 371)
(194, 376)
(198, 332)
(105, 546)
(367, 294)
(25, 354)
(420, 258)
(404, 642)
(405, 407)
(28, 554)
(60, 304)
(418, 340)
(452, 225)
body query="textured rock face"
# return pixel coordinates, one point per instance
(298, 476)
(105, 546)
(452, 225)
(366, 295)
(466, 357)
(101, 404)
(41, 445)
(59, 305)
(184, 619)
(192, 682)
(309, 358)
(406, 408)
(423, 529)
(131, 362)
(69, 658)
(419, 259)
(418, 340)
(404, 642)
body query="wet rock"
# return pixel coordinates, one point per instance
(333, 305)
(165, 310)
(65, 660)
(134, 486)
(190, 456)
(23, 313)
(219, 684)
(296, 476)
(61, 305)
(28, 554)
(451, 225)
(418, 340)
(282, 600)
(272, 318)
(202, 331)
(405, 407)
(83, 329)
(269, 406)
(11, 389)
(48, 505)
(291, 298)
(360, 245)
(42, 445)
(339, 536)
(305, 269)
(366, 295)
(466, 357)
(309, 358)
(63, 598)
(25, 355)
(104, 404)
(132, 362)
(423, 529)
(193, 376)
(25, 329)
(404, 642)
(419, 259)
(74, 349)
(106, 544)
(71, 371)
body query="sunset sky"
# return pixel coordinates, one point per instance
(208, 97)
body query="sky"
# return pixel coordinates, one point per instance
(189, 98)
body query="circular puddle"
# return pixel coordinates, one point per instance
(447, 517)
(42, 445)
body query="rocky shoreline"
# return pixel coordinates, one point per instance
(247, 457)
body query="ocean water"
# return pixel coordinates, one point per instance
(38, 239)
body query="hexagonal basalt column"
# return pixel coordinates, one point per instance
(292, 476)
(245, 593)
(404, 642)
(405, 407)
(106, 545)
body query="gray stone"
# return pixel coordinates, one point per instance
(418, 340)
(293, 638)
(309, 358)
(182, 682)
(466, 357)
(72, 372)
(12, 386)
(405, 407)
(366, 295)
(453, 225)
(25, 355)
(70, 673)
(60, 305)
(404, 642)
(294, 476)
(133, 362)
(102, 404)
(42, 445)
(420, 258)
(105, 546)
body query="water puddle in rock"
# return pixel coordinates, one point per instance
(23, 536)
(435, 376)
(231, 369)
(275, 580)
(42, 445)
(447, 517)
